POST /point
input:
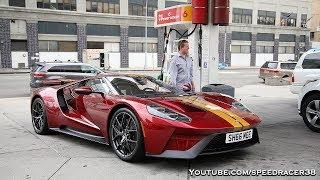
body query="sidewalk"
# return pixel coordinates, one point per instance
(13, 71)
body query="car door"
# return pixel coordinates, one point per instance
(76, 117)
(98, 105)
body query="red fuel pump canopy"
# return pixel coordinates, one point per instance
(200, 11)
(220, 12)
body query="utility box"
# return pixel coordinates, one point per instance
(220, 12)
(200, 12)
(219, 88)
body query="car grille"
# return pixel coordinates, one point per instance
(217, 144)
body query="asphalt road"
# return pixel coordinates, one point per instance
(17, 85)
(14, 85)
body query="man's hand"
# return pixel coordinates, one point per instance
(187, 87)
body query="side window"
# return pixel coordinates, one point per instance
(311, 61)
(98, 85)
(290, 66)
(72, 69)
(66, 68)
(88, 69)
(55, 69)
(265, 65)
(273, 65)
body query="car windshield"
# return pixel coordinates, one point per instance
(143, 86)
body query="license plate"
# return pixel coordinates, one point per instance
(239, 136)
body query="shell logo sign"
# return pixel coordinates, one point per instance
(181, 14)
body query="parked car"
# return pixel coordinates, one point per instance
(277, 68)
(307, 69)
(142, 116)
(49, 74)
(309, 104)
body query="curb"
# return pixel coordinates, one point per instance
(14, 72)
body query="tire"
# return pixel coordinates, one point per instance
(39, 117)
(126, 137)
(310, 102)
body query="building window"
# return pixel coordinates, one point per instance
(288, 19)
(57, 46)
(241, 36)
(45, 27)
(139, 31)
(103, 30)
(111, 47)
(266, 17)
(174, 3)
(95, 45)
(136, 47)
(265, 37)
(138, 7)
(68, 5)
(17, 3)
(139, 47)
(103, 6)
(19, 45)
(287, 38)
(244, 49)
(265, 49)
(304, 18)
(242, 16)
(152, 47)
(312, 35)
(286, 50)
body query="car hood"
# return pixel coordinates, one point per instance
(211, 110)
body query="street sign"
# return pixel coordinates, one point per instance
(181, 14)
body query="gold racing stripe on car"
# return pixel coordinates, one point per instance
(236, 121)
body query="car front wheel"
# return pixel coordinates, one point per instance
(310, 109)
(126, 136)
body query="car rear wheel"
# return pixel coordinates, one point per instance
(310, 109)
(39, 118)
(126, 136)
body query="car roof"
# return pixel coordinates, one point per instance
(62, 63)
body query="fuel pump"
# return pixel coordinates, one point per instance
(205, 17)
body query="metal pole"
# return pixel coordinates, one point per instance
(225, 46)
(146, 37)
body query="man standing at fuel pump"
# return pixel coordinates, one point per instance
(181, 67)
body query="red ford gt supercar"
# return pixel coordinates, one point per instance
(140, 116)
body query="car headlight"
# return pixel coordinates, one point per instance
(240, 106)
(166, 113)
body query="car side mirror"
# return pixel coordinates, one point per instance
(85, 90)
